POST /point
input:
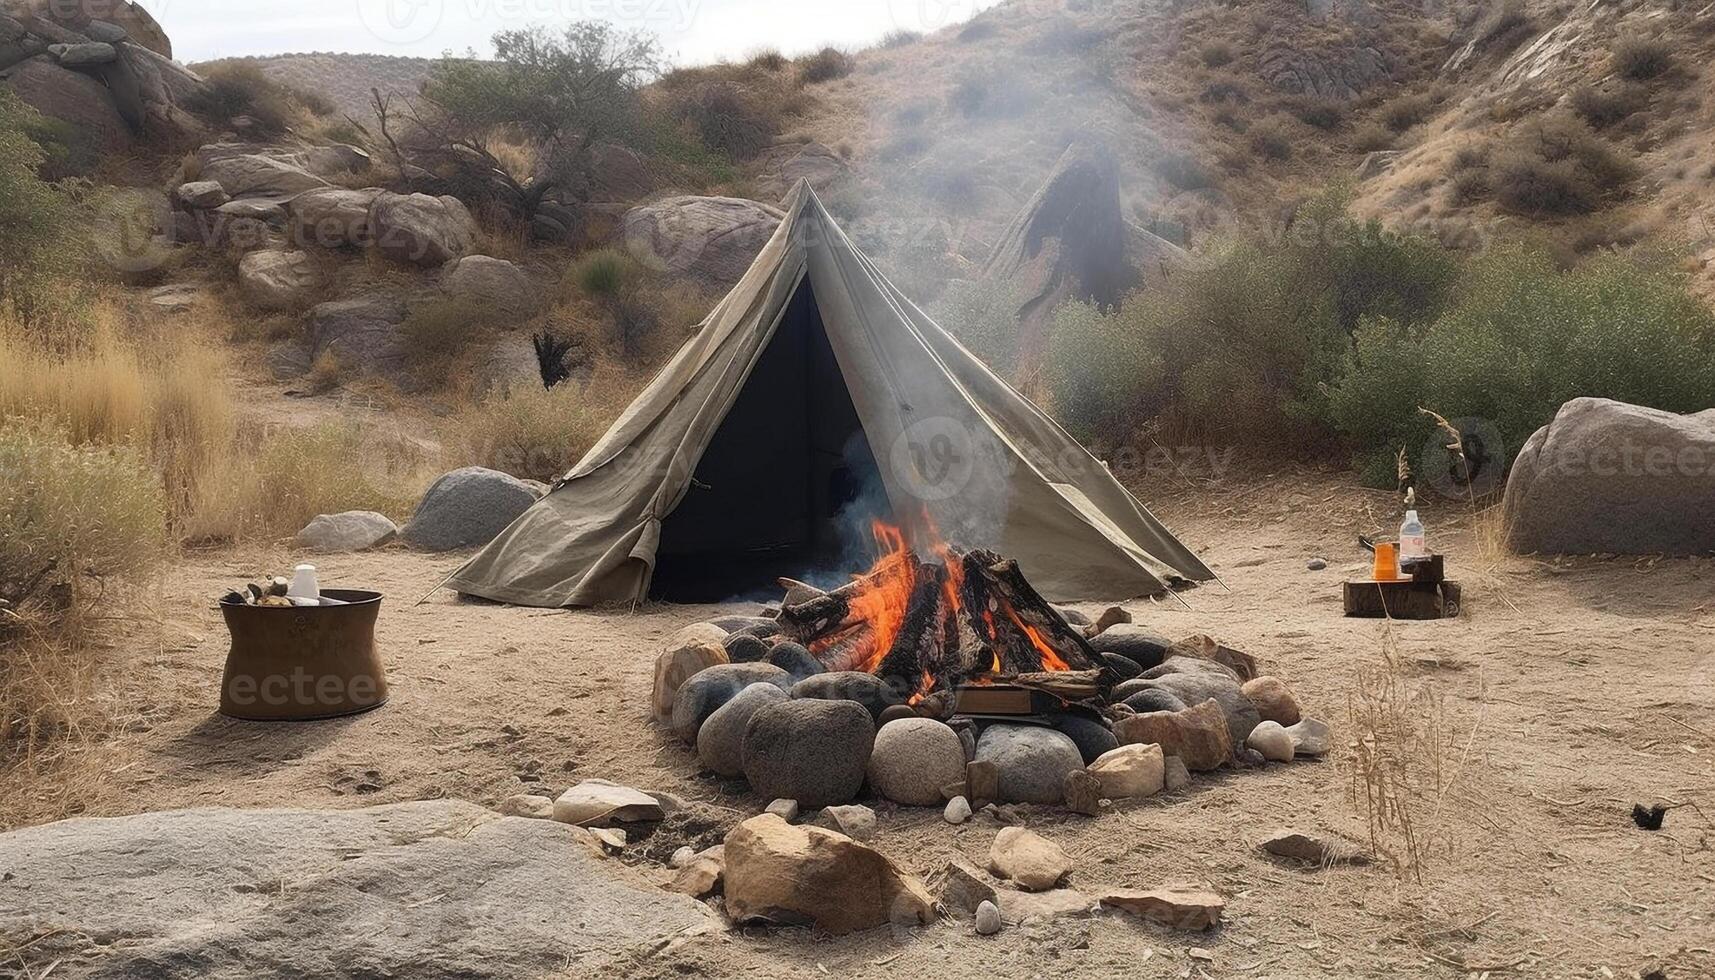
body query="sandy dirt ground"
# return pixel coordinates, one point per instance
(1572, 689)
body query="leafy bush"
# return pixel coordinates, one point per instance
(984, 317)
(539, 434)
(826, 65)
(240, 88)
(1272, 138)
(1642, 59)
(1407, 111)
(1604, 106)
(1557, 165)
(1373, 138)
(992, 90)
(605, 273)
(769, 60)
(38, 250)
(1242, 343)
(728, 117)
(1183, 171)
(437, 332)
(1472, 185)
(1324, 114)
(1520, 338)
(1214, 54)
(71, 516)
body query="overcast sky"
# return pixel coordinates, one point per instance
(692, 31)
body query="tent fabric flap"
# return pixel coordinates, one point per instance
(960, 454)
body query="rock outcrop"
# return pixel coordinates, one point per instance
(421, 230)
(1606, 477)
(496, 284)
(111, 79)
(712, 240)
(466, 509)
(198, 893)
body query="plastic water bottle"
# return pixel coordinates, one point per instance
(304, 586)
(1413, 545)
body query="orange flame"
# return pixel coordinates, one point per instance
(884, 599)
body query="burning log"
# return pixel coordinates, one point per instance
(1023, 632)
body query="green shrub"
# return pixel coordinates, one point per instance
(1557, 165)
(38, 249)
(1243, 342)
(1604, 106)
(992, 90)
(826, 65)
(1407, 111)
(1373, 138)
(1214, 54)
(728, 117)
(984, 317)
(1183, 171)
(72, 517)
(1642, 59)
(1271, 138)
(1324, 114)
(605, 273)
(1522, 337)
(436, 333)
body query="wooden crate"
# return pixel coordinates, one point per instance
(1402, 600)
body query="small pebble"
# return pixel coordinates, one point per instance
(988, 919)
(786, 810)
(958, 811)
(1317, 564)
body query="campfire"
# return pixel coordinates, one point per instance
(930, 627)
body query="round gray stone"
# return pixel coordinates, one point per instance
(913, 759)
(812, 751)
(720, 742)
(709, 690)
(1141, 645)
(466, 509)
(1153, 699)
(1093, 738)
(1032, 762)
(875, 694)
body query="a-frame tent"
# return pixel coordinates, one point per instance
(813, 388)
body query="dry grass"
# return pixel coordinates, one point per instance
(1404, 761)
(540, 434)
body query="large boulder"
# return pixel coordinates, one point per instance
(331, 217)
(196, 893)
(421, 230)
(707, 691)
(720, 740)
(1606, 477)
(361, 332)
(713, 240)
(815, 752)
(496, 284)
(779, 874)
(913, 759)
(1032, 763)
(276, 280)
(247, 171)
(358, 530)
(71, 97)
(784, 166)
(467, 508)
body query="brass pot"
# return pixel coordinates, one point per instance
(303, 663)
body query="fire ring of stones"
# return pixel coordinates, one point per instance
(952, 683)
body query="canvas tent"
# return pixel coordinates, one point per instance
(813, 391)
